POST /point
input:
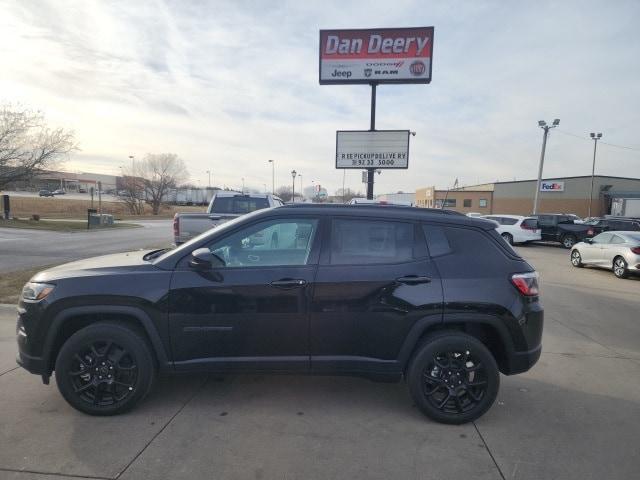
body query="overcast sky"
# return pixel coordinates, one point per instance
(229, 85)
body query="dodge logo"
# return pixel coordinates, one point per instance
(367, 72)
(417, 68)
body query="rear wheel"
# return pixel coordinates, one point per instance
(576, 259)
(620, 267)
(568, 241)
(508, 238)
(453, 378)
(105, 369)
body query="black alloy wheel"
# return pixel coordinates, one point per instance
(104, 369)
(453, 378)
(568, 241)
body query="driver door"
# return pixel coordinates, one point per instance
(252, 312)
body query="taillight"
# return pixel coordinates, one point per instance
(176, 226)
(526, 283)
(636, 250)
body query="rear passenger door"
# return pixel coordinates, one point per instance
(549, 227)
(374, 282)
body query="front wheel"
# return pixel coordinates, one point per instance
(453, 378)
(568, 241)
(620, 267)
(576, 259)
(105, 369)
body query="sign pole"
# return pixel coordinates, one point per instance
(372, 128)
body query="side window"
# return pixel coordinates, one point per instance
(509, 221)
(466, 203)
(482, 203)
(436, 240)
(602, 238)
(358, 242)
(616, 239)
(546, 221)
(270, 243)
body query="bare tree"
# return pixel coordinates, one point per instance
(159, 173)
(347, 194)
(284, 193)
(131, 193)
(27, 145)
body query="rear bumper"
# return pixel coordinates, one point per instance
(530, 342)
(523, 361)
(34, 365)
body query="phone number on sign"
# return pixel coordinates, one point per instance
(371, 163)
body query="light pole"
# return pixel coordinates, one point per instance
(595, 138)
(243, 185)
(300, 176)
(209, 173)
(265, 188)
(273, 176)
(293, 190)
(133, 163)
(543, 125)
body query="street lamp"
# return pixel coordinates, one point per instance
(133, 163)
(273, 176)
(209, 173)
(543, 125)
(300, 176)
(293, 190)
(243, 185)
(595, 137)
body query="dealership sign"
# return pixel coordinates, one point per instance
(552, 186)
(381, 55)
(380, 149)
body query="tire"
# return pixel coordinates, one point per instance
(444, 386)
(105, 369)
(568, 241)
(619, 267)
(508, 238)
(576, 259)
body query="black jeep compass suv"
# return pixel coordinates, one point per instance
(430, 296)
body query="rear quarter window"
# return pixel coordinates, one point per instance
(238, 205)
(467, 252)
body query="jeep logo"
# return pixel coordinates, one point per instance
(338, 73)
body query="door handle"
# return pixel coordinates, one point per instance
(413, 280)
(287, 283)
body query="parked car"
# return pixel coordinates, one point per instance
(224, 206)
(475, 214)
(516, 228)
(437, 298)
(606, 224)
(616, 250)
(45, 193)
(560, 227)
(59, 191)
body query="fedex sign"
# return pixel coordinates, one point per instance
(552, 186)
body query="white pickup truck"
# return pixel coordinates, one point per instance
(224, 206)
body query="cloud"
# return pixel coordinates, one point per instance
(230, 85)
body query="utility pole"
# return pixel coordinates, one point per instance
(293, 190)
(595, 138)
(273, 176)
(371, 171)
(543, 125)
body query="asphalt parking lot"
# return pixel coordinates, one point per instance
(574, 415)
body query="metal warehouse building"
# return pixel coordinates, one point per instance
(611, 195)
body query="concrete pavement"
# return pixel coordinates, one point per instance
(574, 415)
(24, 248)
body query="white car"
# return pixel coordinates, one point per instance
(618, 251)
(516, 228)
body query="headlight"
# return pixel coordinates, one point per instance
(36, 291)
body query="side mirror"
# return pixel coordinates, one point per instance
(588, 240)
(202, 259)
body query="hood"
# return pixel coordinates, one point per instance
(115, 263)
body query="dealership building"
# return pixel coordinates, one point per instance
(557, 195)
